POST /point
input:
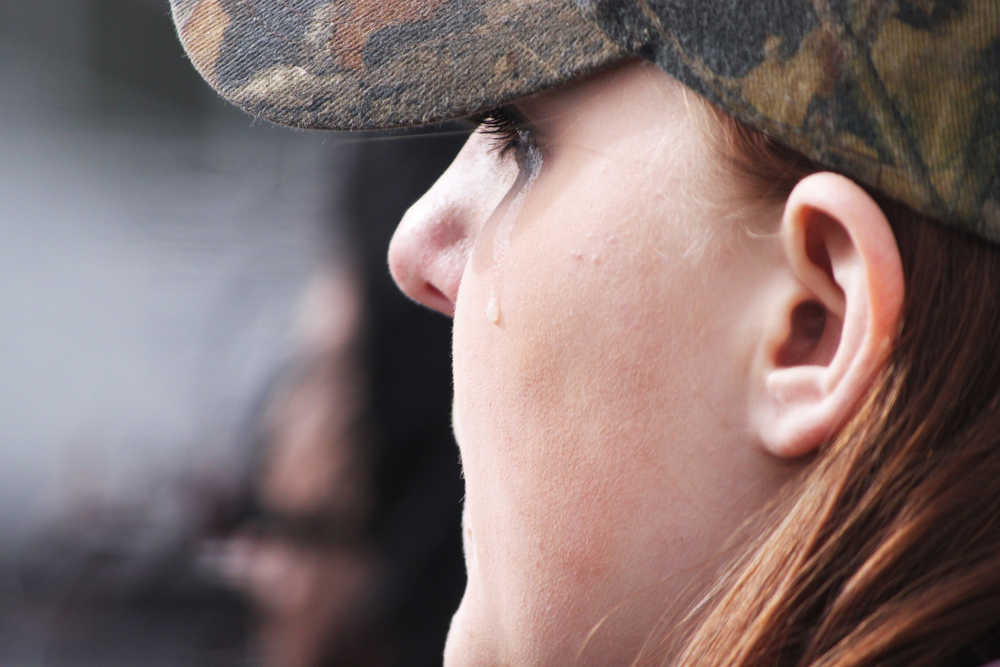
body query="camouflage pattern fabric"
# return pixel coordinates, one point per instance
(379, 64)
(902, 95)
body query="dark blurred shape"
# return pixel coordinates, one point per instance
(417, 479)
(352, 547)
(83, 604)
(155, 243)
(304, 552)
(126, 42)
(144, 285)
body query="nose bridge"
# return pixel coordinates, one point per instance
(431, 245)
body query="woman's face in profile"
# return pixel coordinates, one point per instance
(592, 272)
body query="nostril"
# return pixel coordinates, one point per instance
(414, 273)
(437, 300)
(429, 251)
(427, 257)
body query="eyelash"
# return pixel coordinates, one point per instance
(508, 130)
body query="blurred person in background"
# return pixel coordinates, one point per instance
(154, 254)
(303, 555)
(352, 552)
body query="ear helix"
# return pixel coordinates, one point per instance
(834, 310)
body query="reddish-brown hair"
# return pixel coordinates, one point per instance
(887, 549)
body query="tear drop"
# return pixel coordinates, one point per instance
(493, 309)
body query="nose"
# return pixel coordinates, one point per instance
(430, 248)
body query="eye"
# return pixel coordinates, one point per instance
(509, 132)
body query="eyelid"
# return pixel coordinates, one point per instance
(510, 131)
(503, 119)
(506, 111)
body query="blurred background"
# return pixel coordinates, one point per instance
(225, 437)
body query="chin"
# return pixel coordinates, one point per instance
(465, 646)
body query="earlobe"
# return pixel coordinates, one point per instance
(835, 315)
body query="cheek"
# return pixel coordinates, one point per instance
(602, 316)
(580, 406)
(564, 404)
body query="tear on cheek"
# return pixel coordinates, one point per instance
(493, 309)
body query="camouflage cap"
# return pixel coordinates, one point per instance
(902, 95)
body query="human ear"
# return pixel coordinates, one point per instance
(831, 314)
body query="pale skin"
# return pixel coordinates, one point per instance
(633, 373)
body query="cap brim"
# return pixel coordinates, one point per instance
(381, 64)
